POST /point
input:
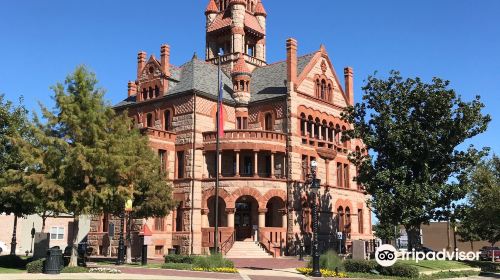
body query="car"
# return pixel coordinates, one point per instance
(426, 250)
(3, 248)
(488, 253)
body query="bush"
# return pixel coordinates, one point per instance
(363, 266)
(76, 269)
(178, 266)
(213, 261)
(35, 266)
(400, 270)
(330, 261)
(10, 261)
(179, 259)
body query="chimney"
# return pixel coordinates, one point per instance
(141, 62)
(291, 59)
(132, 89)
(165, 59)
(349, 84)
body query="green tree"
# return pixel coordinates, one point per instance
(386, 232)
(413, 131)
(480, 217)
(14, 197)
(100, 161)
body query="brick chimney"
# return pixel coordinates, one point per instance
(141, 62)
(349, 84)
(165, 59)
(291, 59)
(132, 89)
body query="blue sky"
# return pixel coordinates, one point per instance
(459, 40)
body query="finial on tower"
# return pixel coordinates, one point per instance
(211, 8)
(259, 9)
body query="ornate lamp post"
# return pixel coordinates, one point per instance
(33, 231)
(314, 193)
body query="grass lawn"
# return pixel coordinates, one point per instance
(428, 265)
(440, 275)
(11, 270)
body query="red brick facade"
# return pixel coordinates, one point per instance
(278, 117)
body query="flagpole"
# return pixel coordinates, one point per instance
(217, 171)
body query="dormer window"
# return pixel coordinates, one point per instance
(251, 50)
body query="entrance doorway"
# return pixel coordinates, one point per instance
(245, 217)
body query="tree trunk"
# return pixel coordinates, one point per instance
(73, 262)
(472, 246)
(14, 237)
(414, 241)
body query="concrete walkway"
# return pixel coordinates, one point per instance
(82, 276)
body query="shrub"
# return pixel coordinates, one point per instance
(363, 266)
(330, 261)
(10, 261)
(400, 270)
(179, 259)
(76, 269)
(35, 266)
(177, 266)
(104, 270)
(213, 261)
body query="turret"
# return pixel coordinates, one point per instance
(241, 81)
(211, 12)
(238, 11)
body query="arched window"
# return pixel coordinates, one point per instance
(167, 120)
(331, 132)
(330, 93)
(303, 124)
(157, 91)
(340, 219)
(144, 94)
(318, 86)
(324, 131)
(317, 131)
(347, 219)
(323, 90)
(344, 143)
(310, 126)
(149, 120)
(179, 217)
(151, 92)
(337, 134)
(268, 122)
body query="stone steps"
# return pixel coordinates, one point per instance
(247, 249)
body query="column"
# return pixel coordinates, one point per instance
(230, 217)
(284, 218)
(255, 164)
(237, 163)
(272, 164)
(204, 218)
(320, 132)
(262, 218)
(327, 170)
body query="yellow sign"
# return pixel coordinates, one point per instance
(128, 205)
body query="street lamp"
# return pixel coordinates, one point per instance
(33, 231)
(314, 193)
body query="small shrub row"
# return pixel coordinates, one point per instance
(362, 266)
(329, 260)
(177, 266)
(10, 261)
(35, 266)
(76, 269)
(179, 259)
(400, 270)
(217, 269)
(212, 261)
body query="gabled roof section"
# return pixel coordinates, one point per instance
(220, 22)
(271, 81)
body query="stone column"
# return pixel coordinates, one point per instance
(327, 170)
(284, 218)
(262, 218)
(204, 218)
(272, 164)
(237, 163)
(256, 163)
(230, 217)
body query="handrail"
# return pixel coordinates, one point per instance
(267, 244)
(227, 244)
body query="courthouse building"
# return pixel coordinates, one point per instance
(278, 117)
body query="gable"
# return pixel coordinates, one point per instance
(152, 70)
(321, 67)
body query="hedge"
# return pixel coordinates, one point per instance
(10, 261)
(179, 259)
(400, 270)
(35, 266)
(362, 266)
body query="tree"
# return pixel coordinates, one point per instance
(413, 131)
(386, 232)
(14, 197)
(100, 162)
(480, 217)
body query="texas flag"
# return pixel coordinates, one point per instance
(220, 113)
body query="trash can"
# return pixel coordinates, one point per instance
(53, 261)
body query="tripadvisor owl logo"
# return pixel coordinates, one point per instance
(386, 255)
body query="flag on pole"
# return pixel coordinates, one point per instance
(220, 111)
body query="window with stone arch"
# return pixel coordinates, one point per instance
(149, 120)
(167, 120)
(340, 219)
(347, 225)
(323, 88)
(268, 122)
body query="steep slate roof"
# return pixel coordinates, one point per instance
(270, 81)
(195, 75)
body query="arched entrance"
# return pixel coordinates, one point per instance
(245, 217)
(274, 214)
(222, 212)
